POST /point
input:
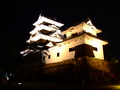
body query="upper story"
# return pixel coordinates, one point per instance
(47, 32)
(87, 27)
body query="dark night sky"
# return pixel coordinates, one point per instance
(17, 16)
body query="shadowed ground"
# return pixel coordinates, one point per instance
(114, 85)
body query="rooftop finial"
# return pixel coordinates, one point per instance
(88, 21)
(87, 18)
(40, 15)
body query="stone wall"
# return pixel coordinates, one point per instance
(84, 70)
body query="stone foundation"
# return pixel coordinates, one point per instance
(84, 70)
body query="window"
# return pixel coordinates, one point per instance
(58, 54)
(65, 36)
(43, 58)
(48, 56)
(94, 48)
(71, 49)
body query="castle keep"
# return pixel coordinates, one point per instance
(76, 41)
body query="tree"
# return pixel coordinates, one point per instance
(10, 58)
(108, 49)
(33, 61)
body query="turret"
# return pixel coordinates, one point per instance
(46, 32)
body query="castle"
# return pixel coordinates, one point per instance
(76, 41)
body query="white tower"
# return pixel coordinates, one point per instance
(46, 32)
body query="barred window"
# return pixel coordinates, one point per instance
(58, 54)
(48, 56)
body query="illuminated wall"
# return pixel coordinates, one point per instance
(62, 50)
(97, 44)
(82, 27)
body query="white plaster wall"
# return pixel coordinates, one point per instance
(96, 43)
(63, 50)
(73, 30)
(77, 28)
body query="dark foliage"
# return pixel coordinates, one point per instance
(10, 57)
(32, 64)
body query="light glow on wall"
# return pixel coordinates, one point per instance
(95, 43)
